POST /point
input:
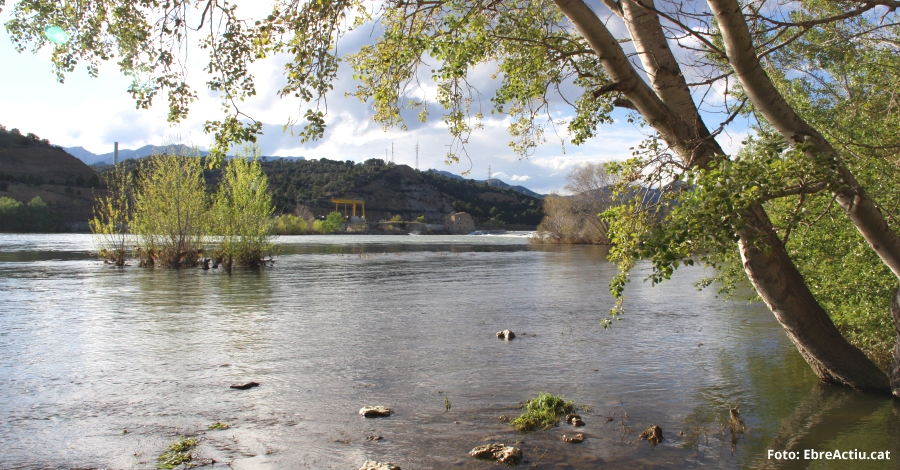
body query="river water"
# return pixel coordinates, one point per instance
(89, 351)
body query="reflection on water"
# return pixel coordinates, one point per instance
(88, 351)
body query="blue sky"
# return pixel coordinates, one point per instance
(96, 112)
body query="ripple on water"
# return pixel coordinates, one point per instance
(87, 351)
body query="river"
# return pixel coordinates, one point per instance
(103, 366)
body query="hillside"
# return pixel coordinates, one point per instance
(30, 167)
(391, 190)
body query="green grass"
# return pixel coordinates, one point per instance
(217, 426)
(177, 454)
(542, 412)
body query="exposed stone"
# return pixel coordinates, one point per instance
(373, 465)
(571, 416)
(653, 434)
(506, 334)
(577, 422)
(375, 411)
(245, 386)
(374, 438)
(499, 452)
(576, 439)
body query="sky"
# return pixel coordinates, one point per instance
(96, 112)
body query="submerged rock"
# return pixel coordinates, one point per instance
(506, 334)
(373, 465)
(499, 452)
(245, 386)
(576, 439)
(375, 411)
(653, 434)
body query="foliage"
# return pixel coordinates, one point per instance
(179, 452)
(218, 426)
(170, 211)
(290, 224)
(34, 216)
(542, 412)
(149, 40)
(112, 215)
(242, 212)
(332, 222)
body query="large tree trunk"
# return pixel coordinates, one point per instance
(849, 194)
(806, 323)
(765, 260)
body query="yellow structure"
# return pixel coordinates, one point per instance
(353, 202)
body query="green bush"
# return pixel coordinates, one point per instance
(242, 212)
(331, 224)
(289, 224)
(170, 211)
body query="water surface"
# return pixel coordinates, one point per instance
(88, 350)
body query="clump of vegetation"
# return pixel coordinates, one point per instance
(290, 224)
(218, 426)
(112, 214)
(242, 212)
(331, 224)
(164, 204)
(34, 216)
(170, 211)
(177, 453)
(576, 218)
(542, 412)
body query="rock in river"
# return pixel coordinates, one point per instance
(373, 465)
(506, 334)
(245, 386)
(576, 439)
(499, 452)
(653, 434)
(375, 411)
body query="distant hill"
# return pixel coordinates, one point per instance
(494, 182)
(30, 167)
(91, 158)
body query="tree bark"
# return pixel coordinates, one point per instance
(765, 259)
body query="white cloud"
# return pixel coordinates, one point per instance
(520, 177)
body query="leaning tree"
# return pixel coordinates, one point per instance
(684, 68)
